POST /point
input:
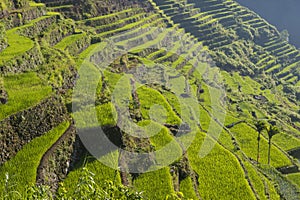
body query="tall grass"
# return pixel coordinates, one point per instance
(156, 185)
(187, 188)
(256, 180)
(102, 172)
(272, 190)
(220, 173)
(295, 178)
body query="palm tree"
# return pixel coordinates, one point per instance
(272, 130)
(260, 126)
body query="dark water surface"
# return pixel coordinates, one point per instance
(284, 14)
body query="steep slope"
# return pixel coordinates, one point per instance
(194, 74)
(240, 39)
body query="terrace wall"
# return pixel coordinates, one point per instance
(18, 18)
(26, 62)
(19, 129)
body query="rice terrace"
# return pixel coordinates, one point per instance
(147, 99)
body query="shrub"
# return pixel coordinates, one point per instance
(87, 188)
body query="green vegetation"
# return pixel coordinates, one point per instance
(3, 39)
(260, 126)
(271, 189)
(256, 179)
(105, 115)
(101, 173)
(17, 45)
(88, 187)
(295, 178)
(149, 97)
(24, 90)
(63, 44)
(21, 170)
(272, 130)
(225, 177)
(286, 141)
(187, 188)
(161, 183)
(252, 59)
(284, 187)
(34, 4)
(112, 15)
(3, 4)
(247, 139)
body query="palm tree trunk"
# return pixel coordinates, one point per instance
(258, 147)
(269, 152)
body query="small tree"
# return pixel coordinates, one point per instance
(272, 130)
(260, 126)
(284, 35)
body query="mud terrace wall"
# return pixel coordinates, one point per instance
(14, 19)
(26, 62)
(21, 128)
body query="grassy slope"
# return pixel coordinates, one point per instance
(256, 180)
(18, 44)
(24, 91)
(249, 87)
(247, 138)
(101, 172)
(156, 184)
(64, 43)
(112, 79)
(214, 183)
(105, 115)
(186, 187)
(22, 168)
(295, 178)
(245, 86)
(149, 97)
(220, 174)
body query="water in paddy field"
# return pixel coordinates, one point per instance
(284, 14)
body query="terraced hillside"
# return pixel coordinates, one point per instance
(146, 99)
(225, 25)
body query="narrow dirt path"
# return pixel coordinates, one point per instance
(44, 160)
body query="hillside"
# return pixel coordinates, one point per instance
(282, 22)
(146, 99)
